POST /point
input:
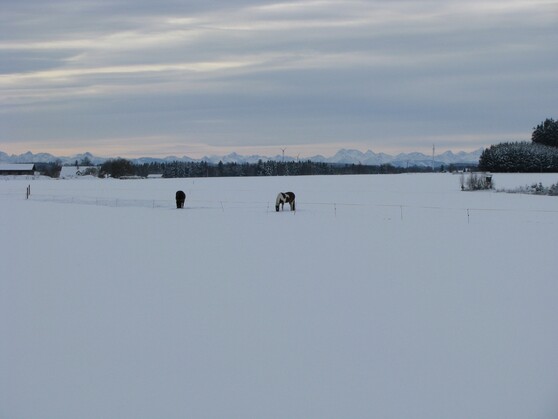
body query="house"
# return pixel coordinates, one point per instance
(73, 172)
(13, 169)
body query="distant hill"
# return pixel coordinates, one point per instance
(343, 156)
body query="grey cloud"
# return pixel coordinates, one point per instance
(276, 71)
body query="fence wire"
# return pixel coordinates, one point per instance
(105, 202)
(342, 209)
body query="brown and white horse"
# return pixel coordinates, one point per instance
(285, 198)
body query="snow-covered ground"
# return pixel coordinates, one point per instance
(392, 296)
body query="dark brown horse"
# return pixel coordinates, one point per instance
(180, 198)
(283, 198)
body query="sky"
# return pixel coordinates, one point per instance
(173, 77)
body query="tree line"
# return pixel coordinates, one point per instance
(178, 169)
(121, 168)
(539, 155)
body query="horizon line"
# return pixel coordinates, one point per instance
(297, 156)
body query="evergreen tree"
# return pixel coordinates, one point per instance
(519, 157)
(117, 168)
(546, 133)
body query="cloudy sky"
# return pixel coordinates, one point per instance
(182, 77)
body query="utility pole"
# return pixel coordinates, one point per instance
(282, 161)
(433, 149)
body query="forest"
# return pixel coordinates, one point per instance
(539, 155)
(177, 169)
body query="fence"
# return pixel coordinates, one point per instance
(105, 202)
(385, 211)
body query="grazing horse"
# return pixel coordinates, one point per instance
(285, 197)
(180, 198)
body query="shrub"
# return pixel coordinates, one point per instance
(476, 182)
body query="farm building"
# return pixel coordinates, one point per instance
(72, 172)
(17, 169)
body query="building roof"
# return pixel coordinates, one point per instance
(12, 167)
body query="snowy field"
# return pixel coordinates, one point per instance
(393, 296)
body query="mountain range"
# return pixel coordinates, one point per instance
(343, 156)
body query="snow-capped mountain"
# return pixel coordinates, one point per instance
(343, 156)
(369, 158)
(235, 158)
(27, 158)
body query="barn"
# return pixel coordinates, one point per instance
(17, 169)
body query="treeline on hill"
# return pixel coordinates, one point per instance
(539, 155)
(122, 168)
